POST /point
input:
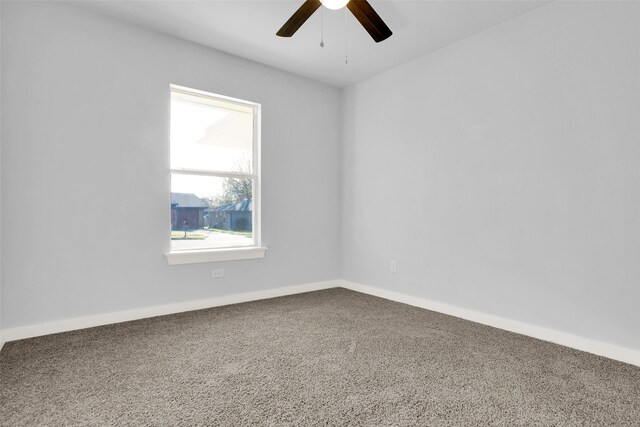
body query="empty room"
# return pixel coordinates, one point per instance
(319, 212)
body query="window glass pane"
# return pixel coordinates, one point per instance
(211, 212)
(210, 134)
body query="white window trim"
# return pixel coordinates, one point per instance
(186, 256)
(215, 255)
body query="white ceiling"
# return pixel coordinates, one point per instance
(247, 29)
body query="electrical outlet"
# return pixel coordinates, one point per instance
(217, 273)
(393, 266)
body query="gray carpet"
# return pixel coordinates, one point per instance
(332, 357)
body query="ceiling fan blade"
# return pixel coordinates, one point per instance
(369, 19)
(298, 18)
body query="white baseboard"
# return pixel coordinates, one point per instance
(36, 330)
(611, 351)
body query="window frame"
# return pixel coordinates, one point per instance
(230, 253)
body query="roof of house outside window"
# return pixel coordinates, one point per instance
(243, 206)
(187, 200)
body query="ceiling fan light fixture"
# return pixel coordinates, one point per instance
(334, 4)
(360, 9)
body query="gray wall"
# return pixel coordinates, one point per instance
(85, 143)
(503, 173)
(1, 6)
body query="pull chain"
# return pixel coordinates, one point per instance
(346, 37)
(322, 27)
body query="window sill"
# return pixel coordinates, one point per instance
(215, 255)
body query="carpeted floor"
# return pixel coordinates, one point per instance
(332, 357)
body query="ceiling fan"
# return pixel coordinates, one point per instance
(361, 9)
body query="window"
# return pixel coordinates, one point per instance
(215, 178)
